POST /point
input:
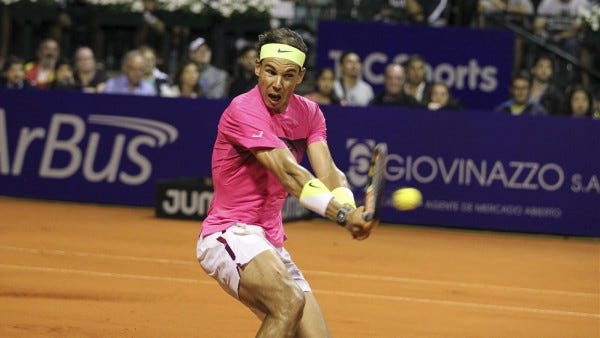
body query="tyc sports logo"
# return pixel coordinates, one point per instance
(68, 146)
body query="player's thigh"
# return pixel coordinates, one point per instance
(266, 285)
(312, 324)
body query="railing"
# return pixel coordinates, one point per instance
(552, 48)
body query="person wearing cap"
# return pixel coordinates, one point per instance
(262, 137)
(213, 80)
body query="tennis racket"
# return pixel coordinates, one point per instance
(375, 186)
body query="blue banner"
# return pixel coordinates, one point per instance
(476, 169)
(101, 148)
(475, 64)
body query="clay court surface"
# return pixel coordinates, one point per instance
(80, 270)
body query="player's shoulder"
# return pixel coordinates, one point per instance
(245, 105)
(304, 103)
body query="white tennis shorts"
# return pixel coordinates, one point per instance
(221, 255)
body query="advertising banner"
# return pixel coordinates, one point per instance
(476, 169)
(101, 148)
(189, 198)
(475, 64)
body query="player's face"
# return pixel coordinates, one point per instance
(277, 79)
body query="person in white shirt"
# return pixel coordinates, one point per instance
(350, 88)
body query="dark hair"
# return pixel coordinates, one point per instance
(345, 55)
(11, 60)
(245, 50)
(61, 62)
(414, 58)
(571, 91)
(282, 35)
(177, 79)
(520, 76)
(323, 70)
(544, 57)
(333, 96)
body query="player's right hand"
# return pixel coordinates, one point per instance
(358, 227)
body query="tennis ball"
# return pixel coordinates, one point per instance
(407, 199)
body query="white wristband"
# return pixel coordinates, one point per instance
(315, 196)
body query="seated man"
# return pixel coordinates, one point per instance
(87, 76)
(131, 80)
(520, 103)
(40, 73)
(393, 93)
(350, 87)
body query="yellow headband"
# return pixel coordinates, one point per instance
(279, 50)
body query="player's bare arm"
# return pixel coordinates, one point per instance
(295, 178)
(324, 167)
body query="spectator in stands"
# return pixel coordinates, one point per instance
(543, 89)
(350, 87)
(393, 93)
(131, 80)
(520, 12)
(557, 22)
(431, 12)
(13, 74)
(63, 79)
(40, 73)
(596, 95)
(441, 98)
(213, 80)
(244, 78)
(87, 75)
(416, 84)
(463, 12)
(580, 102)
(519, 102)
(156, 78)
(382, 11)
(503, 9)
(151, 30)
(186, 82)
(324, 93)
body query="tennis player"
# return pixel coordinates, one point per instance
(262, 137)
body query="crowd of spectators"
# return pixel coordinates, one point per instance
(541, 84)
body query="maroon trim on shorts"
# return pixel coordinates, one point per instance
(227, 247)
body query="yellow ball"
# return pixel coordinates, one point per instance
(407, 199)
